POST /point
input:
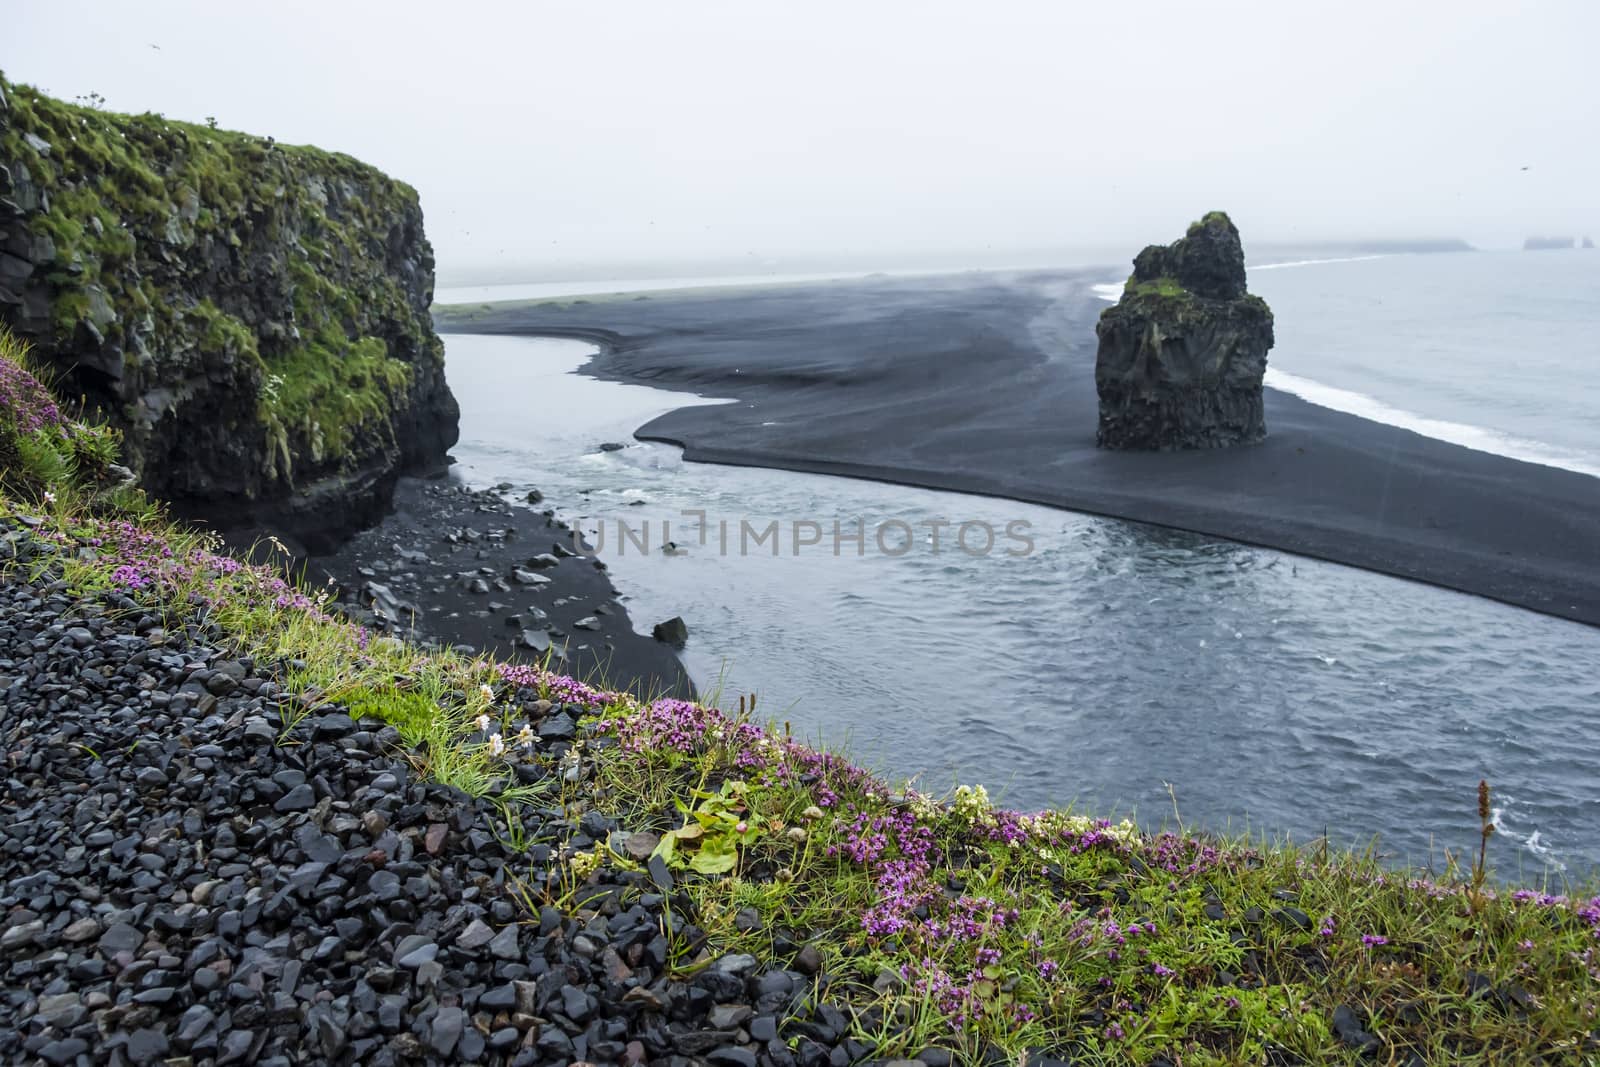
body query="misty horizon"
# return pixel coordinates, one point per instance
(548, 142)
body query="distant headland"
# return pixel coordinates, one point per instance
(1545, 244)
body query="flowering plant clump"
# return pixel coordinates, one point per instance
(143, 560)
(24, 402)
(44, 454)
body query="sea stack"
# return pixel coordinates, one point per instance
(1182, 354)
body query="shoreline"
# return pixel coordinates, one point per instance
(470, 569)
(986, 387)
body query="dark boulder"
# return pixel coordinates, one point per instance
(1183, 353)
(674, 632)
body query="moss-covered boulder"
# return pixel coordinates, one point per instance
(252, 316)
(1183, 353)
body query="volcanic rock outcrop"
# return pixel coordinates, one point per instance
(253, 317)
(1182, 354)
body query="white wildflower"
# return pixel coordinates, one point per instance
(497, 745)
(483, 723)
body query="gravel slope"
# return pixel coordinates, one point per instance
(182, 877)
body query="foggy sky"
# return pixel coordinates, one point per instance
(567, 133)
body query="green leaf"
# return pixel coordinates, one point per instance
(717, 856)
(707, 861)
(667, 849)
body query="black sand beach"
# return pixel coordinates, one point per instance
(983, 383)
(470, 568)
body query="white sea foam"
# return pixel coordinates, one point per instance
(1480, 438)
(1534, 842)
(1315, 262)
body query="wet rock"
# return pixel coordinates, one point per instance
(120, 937)
(1348, 1027)
(808, 960)
(300, 798)
(414, 951)
(146, 1046)
(673, 631)
(448, 1023)
(728, 1016)
(19, 937)
(504, 945)
(67, 1050)
(477, 934)
(640, 845)
(558, 727)
(62, 1011)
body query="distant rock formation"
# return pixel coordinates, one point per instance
(1588, 242)
(1182, 354)
(1542, 244)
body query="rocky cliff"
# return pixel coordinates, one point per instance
(253, 317)
(1546, 244)
(1182, 354)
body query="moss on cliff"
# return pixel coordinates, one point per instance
(1210, 218)
(253, 316)
(1167, 294)
(1162, 286)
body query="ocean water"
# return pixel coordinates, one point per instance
(1116, 666)
(1493, 350)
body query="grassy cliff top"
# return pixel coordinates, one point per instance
(165, 254)
(149, 150)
